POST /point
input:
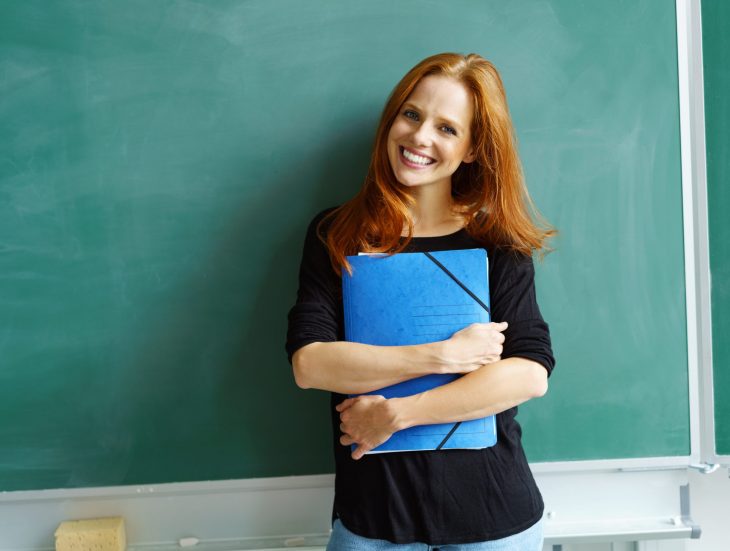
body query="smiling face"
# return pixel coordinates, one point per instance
(430, 137)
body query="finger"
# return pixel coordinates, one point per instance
(342, 428)
(360, 451)
(346, 440)
(502, 326)
(344, 404)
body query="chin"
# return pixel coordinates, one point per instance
(407, 182)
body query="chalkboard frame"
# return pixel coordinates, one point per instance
(710, 457)
(696, 264)
(693, 227)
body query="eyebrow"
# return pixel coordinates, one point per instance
(447, 120)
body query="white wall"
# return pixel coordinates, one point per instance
(710, 502)
(709, 508)
(259, 513)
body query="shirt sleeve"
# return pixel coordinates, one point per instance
(315, 315)
(514, 300)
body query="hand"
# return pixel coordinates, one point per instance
(474, 346)
(367, 421)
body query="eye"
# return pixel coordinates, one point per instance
(410, 114)
(448, 129)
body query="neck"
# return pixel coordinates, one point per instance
(434, 213)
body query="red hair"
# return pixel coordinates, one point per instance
(490, 191)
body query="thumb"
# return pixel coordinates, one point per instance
(502, 325)
(359, 452)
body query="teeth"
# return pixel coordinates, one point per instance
(416, 158)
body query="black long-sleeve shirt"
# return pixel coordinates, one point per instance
(434, 497)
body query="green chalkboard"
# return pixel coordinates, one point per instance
(715, 54)
(161, 161)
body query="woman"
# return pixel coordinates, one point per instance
(444, 174)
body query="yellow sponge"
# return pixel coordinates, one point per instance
(98, 534)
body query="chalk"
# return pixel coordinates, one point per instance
(188, 542)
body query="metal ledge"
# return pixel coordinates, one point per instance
(620, 530)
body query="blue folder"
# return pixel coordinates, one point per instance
(416, 298)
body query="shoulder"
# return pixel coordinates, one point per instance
(315, 251)
(509, 264)
(510, 257)
(314, 224)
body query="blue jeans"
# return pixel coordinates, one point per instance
(344, 540)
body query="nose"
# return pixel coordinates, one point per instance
(422, 136)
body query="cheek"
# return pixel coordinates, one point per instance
(394, 136)
(452, 154)
(397, 130)
(390, 146)
(459, 153)
(391, 149)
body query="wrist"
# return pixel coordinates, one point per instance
(403, 412)
(437, 357)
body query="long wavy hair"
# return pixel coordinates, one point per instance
(490, 192)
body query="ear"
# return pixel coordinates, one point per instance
(470, 156)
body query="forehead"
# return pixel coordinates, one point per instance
(443, 97)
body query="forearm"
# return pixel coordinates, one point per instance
(355, 368)
(489, 390)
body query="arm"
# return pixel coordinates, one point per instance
(491, 389)
(354, 368)
(371, 420)
(321, 359)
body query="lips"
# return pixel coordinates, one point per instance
(413, 159)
